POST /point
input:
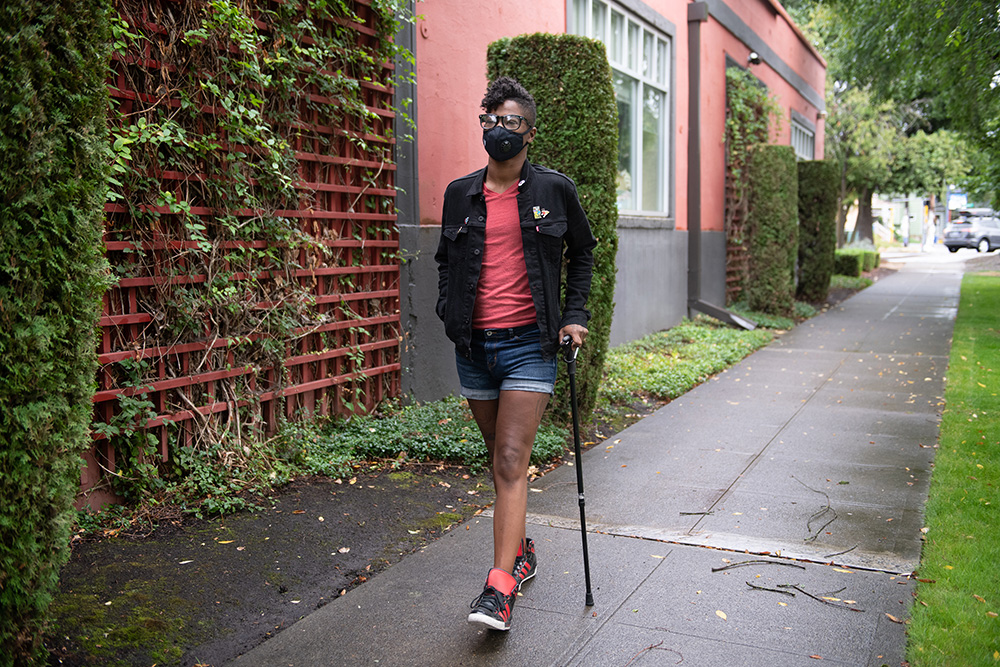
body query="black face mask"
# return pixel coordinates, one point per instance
(501, 143)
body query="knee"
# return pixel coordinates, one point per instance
(509, 465)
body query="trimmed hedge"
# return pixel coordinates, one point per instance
(570, 79)
(847, 263)
(53, 138)
(772, 223)
(817, 228)
(854, 261)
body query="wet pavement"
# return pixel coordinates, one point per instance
(770, 516)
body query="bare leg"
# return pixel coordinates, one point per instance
(509, 425)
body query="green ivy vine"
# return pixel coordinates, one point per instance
(204, 174)
(749, 113)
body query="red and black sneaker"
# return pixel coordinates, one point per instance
(494, 605)
(526, 562)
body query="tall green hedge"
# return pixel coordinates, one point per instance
(53, 139)
(570, 79)
(772, 222)
(817, 228)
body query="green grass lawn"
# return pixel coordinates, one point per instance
(955, 617)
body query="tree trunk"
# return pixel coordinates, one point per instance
(864, 224)
(842, 205)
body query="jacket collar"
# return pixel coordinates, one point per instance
(527, 175)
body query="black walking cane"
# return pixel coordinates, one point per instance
(569, 354)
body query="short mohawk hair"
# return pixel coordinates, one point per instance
(505, 88)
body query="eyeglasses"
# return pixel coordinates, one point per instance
(511, 121)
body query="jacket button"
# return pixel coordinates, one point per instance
(476, 251)
(481, 218)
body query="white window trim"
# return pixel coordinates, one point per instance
(658, 78)
(807, 131)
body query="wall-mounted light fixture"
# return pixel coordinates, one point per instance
(821, 114)
(753, 58)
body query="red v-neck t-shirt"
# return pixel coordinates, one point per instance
(503, 297)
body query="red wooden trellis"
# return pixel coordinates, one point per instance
(351, 356)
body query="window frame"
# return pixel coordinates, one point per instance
(799, 124)
(627, 37)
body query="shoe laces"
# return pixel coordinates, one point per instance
(490, 599)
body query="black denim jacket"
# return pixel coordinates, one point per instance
(550, 215)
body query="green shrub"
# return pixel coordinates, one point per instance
(53, 138)
(848, 263)
(772, 225)
(570, 78)
(817, 228)
(870, 257)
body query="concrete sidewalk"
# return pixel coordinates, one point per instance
(811, 457)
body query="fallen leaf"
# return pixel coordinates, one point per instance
(185, 562)
(722, 615)
(344, 550)
(894, 619)
(413, 532)
(816, 657)
(227, 541)
(979, 598)
(299, 512)
(991, 614)
(655, 556)
(837, 569)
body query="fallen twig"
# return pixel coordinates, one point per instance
(655, 647)
(841, 553)
(744, 563)
(770, 590)
(709, 513)
(816, 516)
(817, 598)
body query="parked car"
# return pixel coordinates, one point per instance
(974, 228)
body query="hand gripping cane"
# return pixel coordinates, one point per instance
(569, 354)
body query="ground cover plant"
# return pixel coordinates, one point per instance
(955, 618)
(667, 364)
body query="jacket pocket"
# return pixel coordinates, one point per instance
(552, 228)
(452, 233)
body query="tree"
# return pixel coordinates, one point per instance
(863, 138)
(943, 54)
(929, 163)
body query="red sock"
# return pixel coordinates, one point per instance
(501, 580)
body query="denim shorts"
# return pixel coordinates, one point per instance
(505, 360)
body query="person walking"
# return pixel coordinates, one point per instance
(505, 231)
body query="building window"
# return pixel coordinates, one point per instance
(640, 61)
(803, 139)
